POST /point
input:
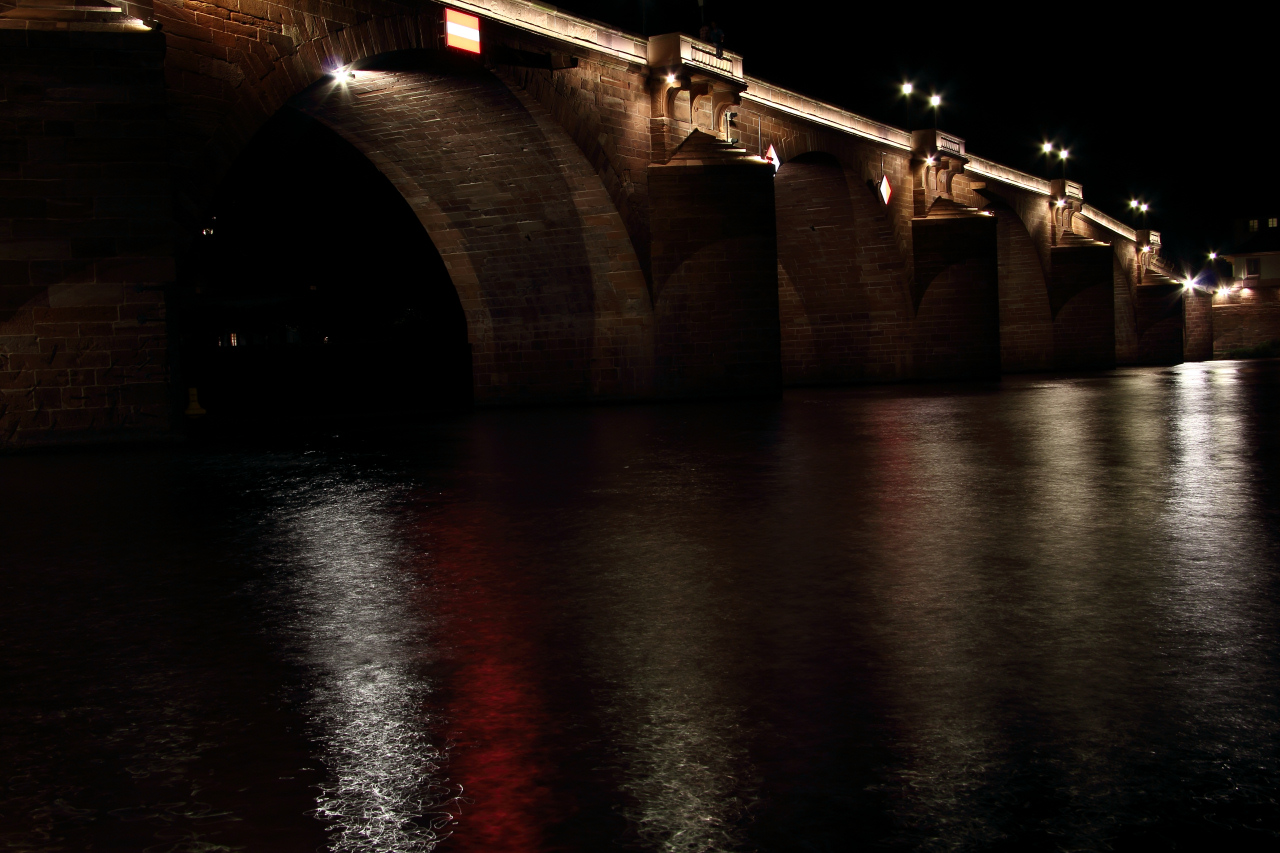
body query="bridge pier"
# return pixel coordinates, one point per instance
(956, 294)
(714, 261)
(86, 256)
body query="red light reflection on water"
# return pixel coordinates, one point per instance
(493, 705)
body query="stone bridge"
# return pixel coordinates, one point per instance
(620, 217)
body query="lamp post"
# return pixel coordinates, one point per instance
(907, 88)
(935, 101)
(1062, 153)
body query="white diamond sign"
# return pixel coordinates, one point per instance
(885, 188)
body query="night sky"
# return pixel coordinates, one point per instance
(1170, 109)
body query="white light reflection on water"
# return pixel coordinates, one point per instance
(361, 638)
(677, 723)
(1217, 606)
(1035, 549)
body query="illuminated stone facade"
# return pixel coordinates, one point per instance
(596, 253)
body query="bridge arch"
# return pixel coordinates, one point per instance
(555, 301)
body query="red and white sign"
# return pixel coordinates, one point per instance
(461, 31)
(885, 188)
(772, 157)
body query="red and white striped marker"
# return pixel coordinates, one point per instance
(461, 31)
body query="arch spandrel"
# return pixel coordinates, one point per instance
(554, 297)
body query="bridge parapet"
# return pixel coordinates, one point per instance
(931, 143)
(671, 51)
(1109, 222)
(821, 113)
(996, 171)
(554, 23)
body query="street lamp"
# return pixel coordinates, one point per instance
(935, 101)
(1063, 154)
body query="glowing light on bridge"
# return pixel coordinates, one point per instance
(1047, 147)
(1213, 256)
(462, 31)
(935, 100)
(671, 78)
(907, 88)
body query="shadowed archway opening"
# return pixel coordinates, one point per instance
(313, 291)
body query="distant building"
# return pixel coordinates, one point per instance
(1255, 258)
(1246, 310)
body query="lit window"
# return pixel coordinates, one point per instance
(233, 338)
(1271, 223)
(1253, 225)
(1252, 267)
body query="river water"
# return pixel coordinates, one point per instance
(1039, 614)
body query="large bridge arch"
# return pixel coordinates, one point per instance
(555, 301)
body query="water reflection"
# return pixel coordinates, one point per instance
(677, 724)
(360, 618)
(1039, 615)
(1218, 617)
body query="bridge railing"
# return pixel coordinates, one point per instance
(995, 171)
(680, 49)
(1109, 222)
(802, 106)
(550, 21)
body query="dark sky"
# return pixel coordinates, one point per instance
(1152, 100)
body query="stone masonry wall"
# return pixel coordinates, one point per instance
(1245, 319)
(1197, 308)
(84, 235)
(1026, 325)
(1160, 324)
(603, 105)
(1081, 291)
(958, 320)
(844, 307)
(715, 279)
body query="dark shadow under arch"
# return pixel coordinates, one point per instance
(339, 301)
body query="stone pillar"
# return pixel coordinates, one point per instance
(1159, 308)
(1082, 303)
(85, 253)
(1081, 286)
(956, 294)
(715, 272)
(1197, 325)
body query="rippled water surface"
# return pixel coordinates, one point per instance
(1034, 615)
